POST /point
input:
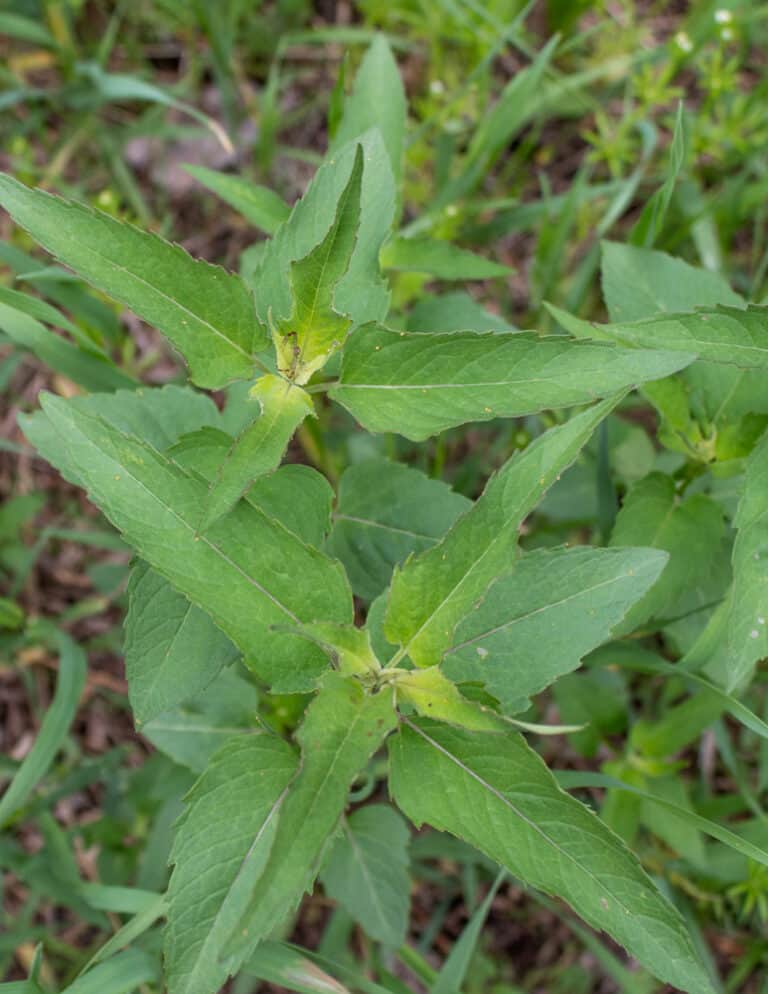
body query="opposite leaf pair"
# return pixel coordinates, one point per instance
(134, 483)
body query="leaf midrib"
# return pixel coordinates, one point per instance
(519, 814)
(337, 223)
(555, 378)
(82, 246)
(373, 892)
(539, 610)
(202, 538)
(500, 535)
(627, 329)
(191, 975)
(368, 522)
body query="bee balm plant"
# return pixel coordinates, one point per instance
(237, 556)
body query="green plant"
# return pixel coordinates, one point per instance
(462, 627)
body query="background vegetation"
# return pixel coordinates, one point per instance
(537, 133)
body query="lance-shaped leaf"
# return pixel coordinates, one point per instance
(297, 496)
(191, 733)
(315, 328)
(367, 872)
(690, 530)
(206, 312)
(421, 384)
(159, 416)
(361, 294)
(729, 335)
(258, 204)
(343, 727)
(747, 624)
(455, 311)
(172, 648)
(260, 446)
(45, 312)
(539, 620)
(637, 284)
(385, 512)
(73, 668)
(347, 645)
(440, 259)
(495, 792)
(432, 592)
(246, 586)
(519, 101)
(377, 101)
(641, 283)
(221, 848)
(89, 370)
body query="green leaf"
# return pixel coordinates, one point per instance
(385, 512)
(299, 969)
(122, 900)
(367, 872)
(173, 650)
(343, 728)
(316, 328)
(496, 793)
(192, 732)
(433, 591)
(709, 704)
(348, 646)
(728, 335)
(440, 259)
(577, 327)
(37, 308)
(122, 974)
(115, 87)
(574, 779)
(517, 104)
(297, 496)
(690, 530)
(258, 204)
(360, 294)
(431, 694)
(222, 845)
(84, 368)
(540, 619)
(680, 834)
(456, 311)
(260, 446)
(450, 980)
(598, 700)
(639, 283)
(53, 730)
(158, 416)
(246, 587)
(206, 312)
(135, 927)
(377, 101)
(419, 385)
(291, 969)
(26, 29)
(649, 225)
(746, 629)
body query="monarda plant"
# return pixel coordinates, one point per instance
(456, 628)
